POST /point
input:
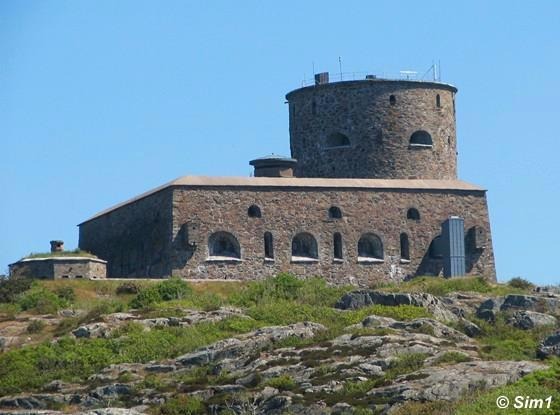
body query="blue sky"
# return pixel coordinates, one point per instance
(100, 101)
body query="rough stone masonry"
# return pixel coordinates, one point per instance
(375, 177)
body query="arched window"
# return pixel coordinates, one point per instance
(370, 246)
(223, 244)
(421, 138)
(337, 140)
(392, 100)
(337, 245)
(254, 211)
(438, 101)
(335, 212)
(268, 246)
(304, 245)
(405, 247)
(436, 248)
(413, 214)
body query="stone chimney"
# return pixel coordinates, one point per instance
(274, 166)
(57, 246)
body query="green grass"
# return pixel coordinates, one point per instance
(74, 252)
(443, 286)
(74, 360)
(452, 358)
(283, 383)
(501, 341)
(541, 385)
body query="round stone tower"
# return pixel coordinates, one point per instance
(374, 128)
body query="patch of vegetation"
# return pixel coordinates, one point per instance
(40, 301)
(74, 252)
(537, 385)
(405, 363)
(429, 408)
(74, 360)
(35, 326)
(128, 288)
(283, 383)
(11, 288)
(181, 405)
(452, 357)
(66, 294)
(171, 289)
(501, 341)
(521, 284)
(287, 287)
(442, 286)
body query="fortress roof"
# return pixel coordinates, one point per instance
(303, 183)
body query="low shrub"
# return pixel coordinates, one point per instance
(66, 294)
(406, 363)
(283, 383)
(127, 288)
(171, 289)
(284, 286)
(41, 301)
(521, 283)
(182, 405)
(11, 288)
(35, 326)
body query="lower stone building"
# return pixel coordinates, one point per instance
(346, 230)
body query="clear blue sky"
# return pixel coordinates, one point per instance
(103, 100)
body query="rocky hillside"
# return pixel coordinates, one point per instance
(278, 346)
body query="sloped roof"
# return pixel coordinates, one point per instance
(302, 182)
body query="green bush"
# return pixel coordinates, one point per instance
(66, 294)
(284, 286)
(521, 283)
(127, 288)
(283, 383)
(182, 405)
(171, 289)
(41, 301)
(11, 288)
(35, 326)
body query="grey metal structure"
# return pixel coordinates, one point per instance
(453, 238)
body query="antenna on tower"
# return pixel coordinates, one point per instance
(340, 67)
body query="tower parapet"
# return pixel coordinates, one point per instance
(374, 128)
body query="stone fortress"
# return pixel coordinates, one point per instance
(369, 194)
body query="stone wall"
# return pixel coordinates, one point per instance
(199, 212)
(378, 117)
(59, 267)
(134, 239)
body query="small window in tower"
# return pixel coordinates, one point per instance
(254, 211)
(413, 214)
(370, 248)
(337, 140)
(421, 138)
(438, 101)
(268, 246)
(313, 107)
(405, 247)
(304, 247)
(392, 100)
(337, 245)
(335, 212)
